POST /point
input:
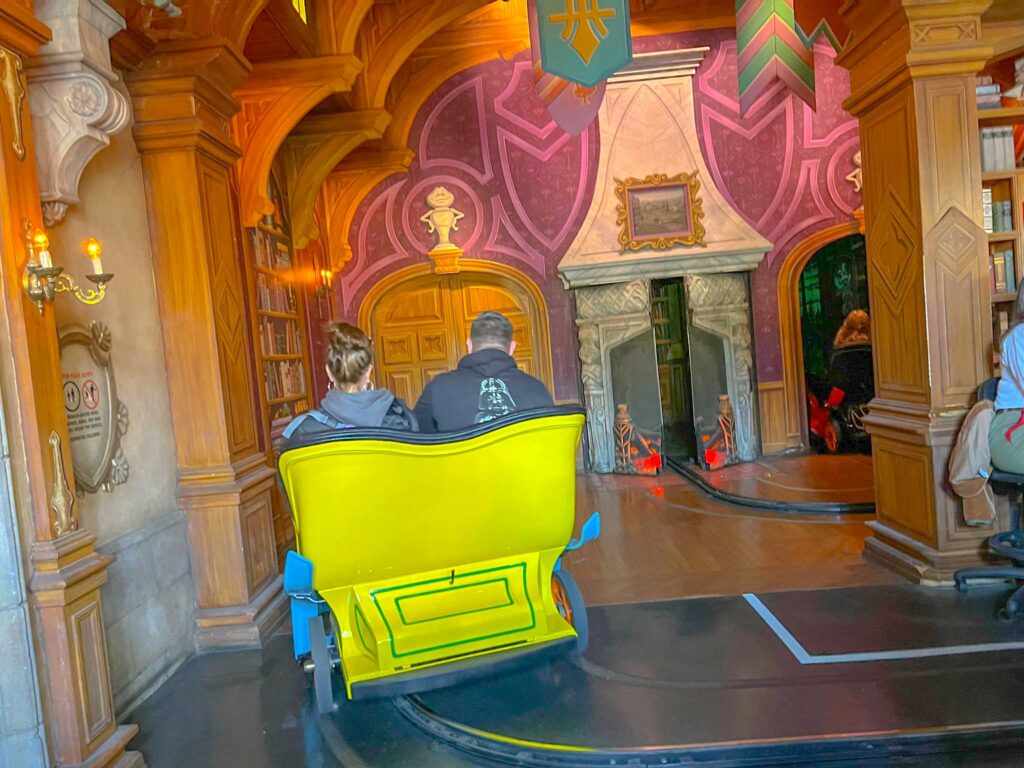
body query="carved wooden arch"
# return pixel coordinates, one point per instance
(274, 99)
(482, 266)
(790, 331)
(234, 18)
(387, 40)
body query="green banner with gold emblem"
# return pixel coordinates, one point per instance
(584, 41)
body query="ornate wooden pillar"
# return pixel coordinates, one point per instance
(183, 103)
(912, 65)
(65, 572)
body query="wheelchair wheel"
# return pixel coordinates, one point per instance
(321, 652)
(569, 601)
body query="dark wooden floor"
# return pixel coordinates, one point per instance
(808, 478)
(663, 539)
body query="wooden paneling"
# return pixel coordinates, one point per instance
(772, 410)
(95, 704)
(894, 245)
(195, 235)
(226, 284)
(258, 538)
(903, 482)
(912, 65)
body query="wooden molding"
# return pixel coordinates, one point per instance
(790, 333)
(346, 186)
(313, 150)
(273, 100)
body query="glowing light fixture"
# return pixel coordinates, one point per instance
(43, 281)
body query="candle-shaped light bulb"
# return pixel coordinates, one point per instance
(93, 250)
(41, 245)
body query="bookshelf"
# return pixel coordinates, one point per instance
(1003, 205)
(279, 335)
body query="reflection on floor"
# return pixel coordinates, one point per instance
(662, 539)
(802, 479)
(693, 681)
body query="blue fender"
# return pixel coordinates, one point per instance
(590, 531)
(305, 603)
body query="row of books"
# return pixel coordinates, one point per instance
(1002, 271)
(997, 151)
(272, 296)
(279, 336)
(284, 378)
(270, 252)
(998, 214)
(988, 92)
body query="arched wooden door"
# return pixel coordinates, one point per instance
(420, 322)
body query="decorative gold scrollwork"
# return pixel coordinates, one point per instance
(14, 89)
(61, 501)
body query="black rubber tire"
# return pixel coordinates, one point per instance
(578, 607)
(321, 653)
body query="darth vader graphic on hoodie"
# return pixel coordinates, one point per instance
(487, 385)
(494, 401)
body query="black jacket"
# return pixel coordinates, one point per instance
(487, 384)
(369, 408)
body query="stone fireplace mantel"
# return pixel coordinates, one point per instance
(648, 126)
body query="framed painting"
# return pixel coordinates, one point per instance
(659, 212)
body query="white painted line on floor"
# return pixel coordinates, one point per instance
(803, 657)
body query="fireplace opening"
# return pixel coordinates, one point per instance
(635, 395)
(702, 328)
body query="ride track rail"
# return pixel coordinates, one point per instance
(874, 746)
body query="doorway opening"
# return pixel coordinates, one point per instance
(836, 345)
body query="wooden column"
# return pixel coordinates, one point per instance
(183, 104)
(65, 572)
(912, 67)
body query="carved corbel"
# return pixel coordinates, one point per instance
(75, 107)
(314, 149)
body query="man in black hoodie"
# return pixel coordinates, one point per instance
(487, 384)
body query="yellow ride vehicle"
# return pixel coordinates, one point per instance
(433, 558)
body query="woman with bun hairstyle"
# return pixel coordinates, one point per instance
(351, 400)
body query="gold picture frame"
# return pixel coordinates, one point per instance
(659, 212)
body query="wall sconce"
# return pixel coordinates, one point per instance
(326, 279)
(43, 281)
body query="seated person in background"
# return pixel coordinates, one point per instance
(856, 329)
(487, 384)
(1006, 434)
(351, 400)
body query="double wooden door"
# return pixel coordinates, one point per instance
(421, 325)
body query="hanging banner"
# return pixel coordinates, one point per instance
(572, 106)
(815, 18)
(769, 48)
(584, 41)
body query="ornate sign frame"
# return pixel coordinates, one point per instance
(687, 230)
(112, 468)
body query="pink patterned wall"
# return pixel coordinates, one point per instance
(783, 166)
(525, 186)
